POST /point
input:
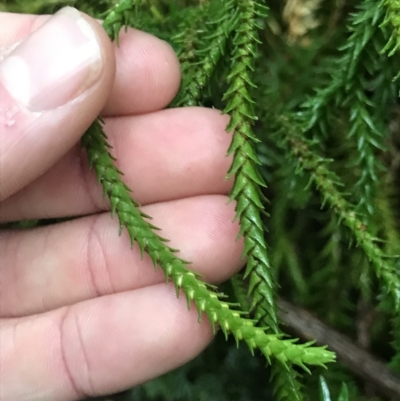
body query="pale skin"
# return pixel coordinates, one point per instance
(80, 313)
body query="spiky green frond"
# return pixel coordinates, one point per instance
(246, 190)
(367, 125)
(387, 217)
(284, 378)
(201, 45)
(117, 17)
(203, 295)
(307, 160)
(392, 19)
(187, 40)
(392, 247)
(356, 71)
(325, 394)
(248, 183)
(338, 282)
(285, 258)
(362, 26)
(143, 233)
(286, 383)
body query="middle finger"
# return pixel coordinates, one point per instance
(54, 266)
(170, 154)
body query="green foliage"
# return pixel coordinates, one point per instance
(311, 91)
(359, 58)
(325, 393)
(206, 299)
(117, 17)
(248, 182)
(307, 161)
(201, 46)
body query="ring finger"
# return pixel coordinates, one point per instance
(54, 266)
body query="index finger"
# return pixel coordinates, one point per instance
(148, 72)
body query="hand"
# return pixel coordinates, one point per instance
(81, 313)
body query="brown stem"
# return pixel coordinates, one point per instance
(359, 361)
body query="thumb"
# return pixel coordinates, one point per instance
(52, 86)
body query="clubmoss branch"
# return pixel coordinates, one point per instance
(247, 186)
(202, 48)
(309, 162)
(187, 42)
(203, 295)
(284, 378)
(118, 17)
(248, 182)
(355, 72)
(144, 233)
(392, 19)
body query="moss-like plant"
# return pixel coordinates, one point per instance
(311, 89)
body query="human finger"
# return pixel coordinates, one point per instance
(147, 69)
(147, 77)
(87, 258)
(100, 346)
(52, 86)
(167, 155)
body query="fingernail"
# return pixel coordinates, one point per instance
(55, 64)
